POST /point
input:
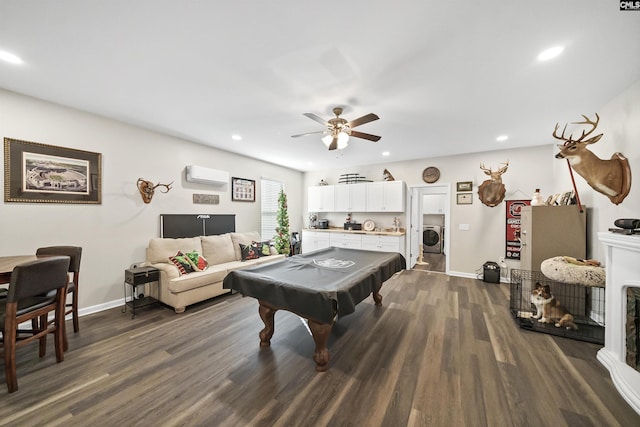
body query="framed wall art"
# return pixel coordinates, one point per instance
(464, 198)
(243, 190)
(41, 173)
(464, 186)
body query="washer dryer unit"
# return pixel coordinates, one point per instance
(432, 239)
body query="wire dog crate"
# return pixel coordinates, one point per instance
(585, 303)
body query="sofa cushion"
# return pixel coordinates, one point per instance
(218, 249)
(245, 239)
(197, 261)
(248, 252)
(264, 248)
(182, 263)
(160, 249)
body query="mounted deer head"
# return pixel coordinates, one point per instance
(147, 189)
(609, 177)
(492, 191)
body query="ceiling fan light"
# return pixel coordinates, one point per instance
(326, 140)
(343, 140)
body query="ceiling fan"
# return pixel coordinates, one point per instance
(339, 129)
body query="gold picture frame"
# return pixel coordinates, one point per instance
(464, 198)
(42, 173)
(464, 186)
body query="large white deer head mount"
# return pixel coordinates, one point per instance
(147, 189)
(610, 177)
(492, 191)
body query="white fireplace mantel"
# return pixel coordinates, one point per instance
(622, 265)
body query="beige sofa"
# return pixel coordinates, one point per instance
(223, 255)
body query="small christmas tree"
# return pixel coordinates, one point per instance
(283, 242)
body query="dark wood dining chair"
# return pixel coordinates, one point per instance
(31, 296)
(71, 307)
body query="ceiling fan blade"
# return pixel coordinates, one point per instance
(368, 136)
(316, 118)
(308, 133)
(362, 120)
(334, 144)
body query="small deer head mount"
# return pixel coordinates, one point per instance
(492, 191)
(610, 177)
(147, 189)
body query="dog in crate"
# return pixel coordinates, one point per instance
(549, 309)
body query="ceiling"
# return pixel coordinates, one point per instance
(445, 77)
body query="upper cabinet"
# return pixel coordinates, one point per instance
(351, 197)
(387, 196)
(321, 199)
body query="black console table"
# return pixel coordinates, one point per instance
(134, 277)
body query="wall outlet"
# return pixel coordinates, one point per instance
(501, 260)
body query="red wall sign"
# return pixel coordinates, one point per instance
(512, 250)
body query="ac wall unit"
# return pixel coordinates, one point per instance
(208, 176)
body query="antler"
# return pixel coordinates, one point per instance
(580, 140)
(167, 186)
(495, 176)
(487, 171)
(503, 169)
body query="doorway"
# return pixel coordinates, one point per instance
(429, 226)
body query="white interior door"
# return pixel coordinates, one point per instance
(415, 228)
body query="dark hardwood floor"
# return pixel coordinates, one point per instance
(441, 351)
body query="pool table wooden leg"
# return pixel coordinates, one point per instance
(377, 297)
(267, 312)
(320, 333)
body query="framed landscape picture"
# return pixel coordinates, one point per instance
(243, 190)
(41, 173)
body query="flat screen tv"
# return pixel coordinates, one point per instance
(192, 225)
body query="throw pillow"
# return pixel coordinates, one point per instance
(182, 262)
(198, 262)
(264, 248)
(249, 252)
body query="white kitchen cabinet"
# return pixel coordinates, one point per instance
(433, 204)
(387, 196)
(350, 197)
(321, 198)
(345, 240)
(312, 240)
(383, 243)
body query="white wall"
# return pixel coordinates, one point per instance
(529, 168)
(114, 234)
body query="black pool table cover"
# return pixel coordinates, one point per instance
(319, 284)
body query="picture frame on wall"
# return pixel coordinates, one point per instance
(464, 186)
(464, 198)
(243, 190)
(42, 173)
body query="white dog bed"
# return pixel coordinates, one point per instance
(562, 270)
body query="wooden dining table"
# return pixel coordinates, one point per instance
(7, 263)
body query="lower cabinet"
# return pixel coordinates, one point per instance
(383, 243)
(313, 240)
(345, 240)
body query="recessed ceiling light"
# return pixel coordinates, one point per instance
(236, 137)
(10, 57)
(550, 53)
(502, 138)
(385, 153)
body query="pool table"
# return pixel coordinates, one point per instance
(318, 286)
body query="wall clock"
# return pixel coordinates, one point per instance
(431, 174)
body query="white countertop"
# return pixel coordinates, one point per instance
(381, 232)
